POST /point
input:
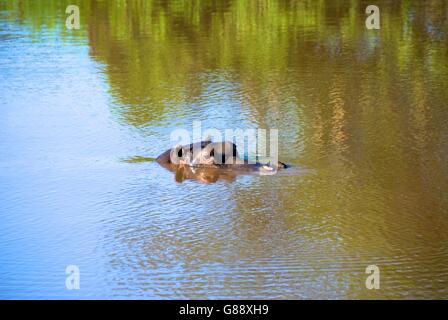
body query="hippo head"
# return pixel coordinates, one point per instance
(215, 154)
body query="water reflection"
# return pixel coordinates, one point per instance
(203, 175)
(365, 109)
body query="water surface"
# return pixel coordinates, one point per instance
(82, 111)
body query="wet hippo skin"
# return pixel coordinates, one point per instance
(210, 162)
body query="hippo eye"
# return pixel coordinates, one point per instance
(180, 153)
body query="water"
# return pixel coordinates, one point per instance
(83, 113)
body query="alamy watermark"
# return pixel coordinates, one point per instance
(73, 280)
(73, 20)
(373, 280)
(373, 20)
(253, 144)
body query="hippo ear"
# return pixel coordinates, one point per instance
(176, 154)
(234, 150)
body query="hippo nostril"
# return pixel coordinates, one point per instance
(180, 153)
(212, 153)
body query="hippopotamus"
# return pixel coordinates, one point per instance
(213, 160)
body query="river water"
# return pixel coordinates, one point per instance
(363, 112)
